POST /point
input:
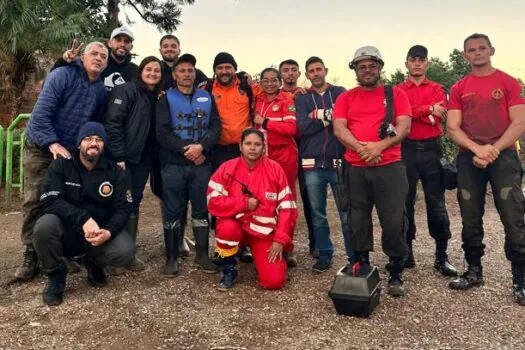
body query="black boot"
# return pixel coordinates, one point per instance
(184, 249)
(229, 273)
(518, 282)
(442, 264)
(133, 227)
(97, 278)
(396, 286)
(171, 236)
(245, 255)
(471, 278)
(29, 267)
(55, 286)
(202, 258)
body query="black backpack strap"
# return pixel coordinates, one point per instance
(244, 86)
(389, 97)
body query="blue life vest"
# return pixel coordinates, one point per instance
(190, 120)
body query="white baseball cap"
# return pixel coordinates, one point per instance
(122, 31)
(366, 53)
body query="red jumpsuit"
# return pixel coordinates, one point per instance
(280, 128)
(273, 220)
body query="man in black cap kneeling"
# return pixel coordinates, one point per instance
(86, 203)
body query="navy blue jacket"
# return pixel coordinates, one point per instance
(67, 100)
(318, 146)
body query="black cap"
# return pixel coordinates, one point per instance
(89, 129)
(224, 57)
(186, 58)
(417, 51)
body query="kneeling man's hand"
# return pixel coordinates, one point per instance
(275, 251)
(101, 237)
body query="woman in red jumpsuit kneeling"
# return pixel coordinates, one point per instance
(254, 206)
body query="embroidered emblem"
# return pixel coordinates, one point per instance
(497, 94)
(105, 189)
(291, 109)
(275, 108)
(202, 99)
(129, 198)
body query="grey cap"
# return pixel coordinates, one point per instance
(366, 53)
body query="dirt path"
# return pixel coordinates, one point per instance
(148, 311)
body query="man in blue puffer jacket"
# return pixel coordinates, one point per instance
(321, 154)
(71, 96)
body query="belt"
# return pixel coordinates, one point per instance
(422, 145)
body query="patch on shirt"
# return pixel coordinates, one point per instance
(275, 108)
(117, 101)
(129, 198)
(202, 99)
(497, 94)
(271, 196)
(105, 189)
(291, 109)
(72, 184)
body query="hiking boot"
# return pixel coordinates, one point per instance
(473, 277)
(229, 274)
(96, 276)
(322, 264)
(55, 286)
(396, 287)
(202, 258)
(445, 267)
(518, 283)
(291, 260)
(245, 255)
(29, 267)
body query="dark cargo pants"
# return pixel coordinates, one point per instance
(504, 176)
(36, 162)
(385, 187)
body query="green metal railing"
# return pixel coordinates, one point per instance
(10, 143)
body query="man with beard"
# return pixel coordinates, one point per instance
(421, 154)
(71, 96)
(233, 96)
(86, 202)
(120, 69)
(321, 154)
(372, 124)
(485, 118)
(170, 51)
(290, 73)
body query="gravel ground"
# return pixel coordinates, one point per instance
(147, 311)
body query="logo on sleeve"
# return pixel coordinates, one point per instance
(291, 109)
(129, 198)
(105, 189)
(497, 94)
(271, 196)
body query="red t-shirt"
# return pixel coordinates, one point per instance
(365, 111)
(421, 98)
(484, 103)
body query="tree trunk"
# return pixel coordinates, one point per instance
(112, 15)
(16, 98)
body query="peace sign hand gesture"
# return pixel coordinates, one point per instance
(72, 53)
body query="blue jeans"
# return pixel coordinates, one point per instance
(317, 181)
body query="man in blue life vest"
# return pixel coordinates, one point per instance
(188, 127)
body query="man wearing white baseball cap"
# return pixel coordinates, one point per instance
(371, 120)
(120, 69)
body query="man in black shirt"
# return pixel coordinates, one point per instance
(86, 202)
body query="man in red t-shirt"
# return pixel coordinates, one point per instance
(377, 175)
(485, 118)
(421, 154)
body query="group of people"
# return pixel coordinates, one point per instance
(234, 148)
